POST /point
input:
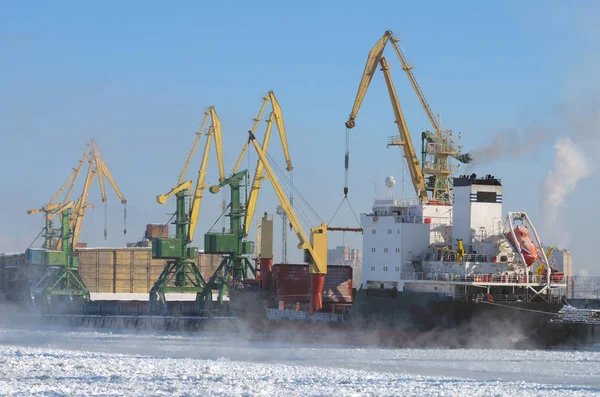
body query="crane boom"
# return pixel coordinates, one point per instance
(370, 68)
(51, 206)
(199, 134)
(282, 134)
(257, 180)
(319, 263)
(253, 129)
(277, 114)
(62, 208)
(372, 60)
(162, 198)
(214, 132)
(77, 215)
(96, 167)
(103, 171)
(413, 81)
(199, 192)
(409, 151)
(218, 137)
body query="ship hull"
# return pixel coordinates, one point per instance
(407, 320)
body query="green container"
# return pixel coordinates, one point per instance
(247, 247)
(155, 244)
(192, 252)
(220, 243)
(54, 258)
(167, 248)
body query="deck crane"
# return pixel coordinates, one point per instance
(52, 205)
(181, 273)
(439, 146)
(315, 249)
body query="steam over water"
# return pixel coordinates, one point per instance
(66, 362)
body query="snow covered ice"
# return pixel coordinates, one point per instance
(60, 362)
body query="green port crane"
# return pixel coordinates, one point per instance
(61, 276)
(58, 278)
(235, 263)
(181, 273)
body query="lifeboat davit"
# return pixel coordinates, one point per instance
(524, 244)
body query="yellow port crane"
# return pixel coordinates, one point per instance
(96, 167)
(440, 145)
(316, 248)
(214, 133)
(276, 116)
(52, 205)
(181, 273)
(404, 140)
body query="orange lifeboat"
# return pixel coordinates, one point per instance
(525, 244)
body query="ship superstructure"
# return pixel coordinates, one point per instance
(457, 250)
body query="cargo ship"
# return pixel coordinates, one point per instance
(426, 268)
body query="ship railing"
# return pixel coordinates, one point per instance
(451, 257)
(387, 202)
(418, 219)
(503, 298)
(408, 219)
(430, 168)
(441, 148)
(475, 278)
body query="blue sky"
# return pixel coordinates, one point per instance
(136, 76)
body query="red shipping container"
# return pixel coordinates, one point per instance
(154, 230)
(292, 283)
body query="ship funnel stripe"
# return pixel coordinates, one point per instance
(473, 198)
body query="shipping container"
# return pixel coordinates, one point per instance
(217, 243)
(167, 248)
(54, 258)
(292, 283)
(154, 230)
(34, 256)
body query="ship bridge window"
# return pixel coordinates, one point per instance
(385, 250)
(372, 249)
(398, 250)
(372, 268)
(389, 231)
(385, 268)
(397, 268)
(373, 231)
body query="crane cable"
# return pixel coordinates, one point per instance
(347, 162)
(105, 220)
(346, 165)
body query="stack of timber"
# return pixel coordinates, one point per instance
(129, 270)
